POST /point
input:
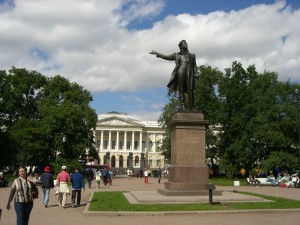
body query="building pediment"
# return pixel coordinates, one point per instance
(116, 121)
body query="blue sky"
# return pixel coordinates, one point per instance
(104, 45)
(194, 7)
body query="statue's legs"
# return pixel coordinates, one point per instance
(191, 100)
(182, 100)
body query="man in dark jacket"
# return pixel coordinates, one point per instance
(105, 176)
(47, 183)
(90, 177)
(77, 185)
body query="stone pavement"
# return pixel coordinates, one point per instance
(55, 215)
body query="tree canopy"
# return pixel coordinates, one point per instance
(43, 118)
(250, 114)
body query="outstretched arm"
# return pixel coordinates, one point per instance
(153, 52)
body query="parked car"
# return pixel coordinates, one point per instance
(137, 174)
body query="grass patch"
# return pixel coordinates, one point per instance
(223, 181)
(277, 203)
(116, 201)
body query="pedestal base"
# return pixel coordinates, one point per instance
(168, 192)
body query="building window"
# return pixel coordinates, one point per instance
(113, 144)
(136, 143)
(113, 161)
(121, 161)
(105, 144)
(121, 144)
(98, 144)
(128, 145)
(128, 162)
(158, 163)
(136, 161)
(150, 163)
(150, 145)
(143, 145)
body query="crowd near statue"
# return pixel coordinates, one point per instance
(183, 75)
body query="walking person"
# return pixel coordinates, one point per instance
(77, 185)
(23, 201)
(146, 176)
(90, 176)
(105, 176)
(47, 184)
(111, 174)
(98, 178)
(62, 181)
(159, 174)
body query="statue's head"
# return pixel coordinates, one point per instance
(183, 44)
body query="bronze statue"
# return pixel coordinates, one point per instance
(183, 75)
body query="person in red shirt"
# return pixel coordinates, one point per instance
(62, 182)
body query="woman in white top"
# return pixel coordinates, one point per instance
(98, 178)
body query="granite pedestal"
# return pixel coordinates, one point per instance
(188, 173)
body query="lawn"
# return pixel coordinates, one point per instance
(223, 181)
(116, 201)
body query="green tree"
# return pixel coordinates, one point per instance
(67, 118)
(40, 117)
(283, 160)
(207, 101)
(259, 117)
(18, 102)
(164, 120)
(31, 142)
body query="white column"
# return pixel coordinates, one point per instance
(141, 141)
(94, 138)
(147, 141)
(132, 141)
(101, 141)
(117, 144)
(125, 140)
(154, 142)
(109, 141)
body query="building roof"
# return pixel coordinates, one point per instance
(124, 117)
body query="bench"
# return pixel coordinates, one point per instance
(263, 181)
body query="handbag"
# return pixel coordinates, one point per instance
(34, 191)
(57, 191)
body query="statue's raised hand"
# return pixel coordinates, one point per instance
(153, 52)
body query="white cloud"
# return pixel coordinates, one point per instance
(145, 115)
(134, 99)
(87, 41)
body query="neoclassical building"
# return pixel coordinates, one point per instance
(125, 142)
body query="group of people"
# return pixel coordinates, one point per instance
(21, 191)
(285, 180)
(63, 190)
(144, 173)
(106, 175)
